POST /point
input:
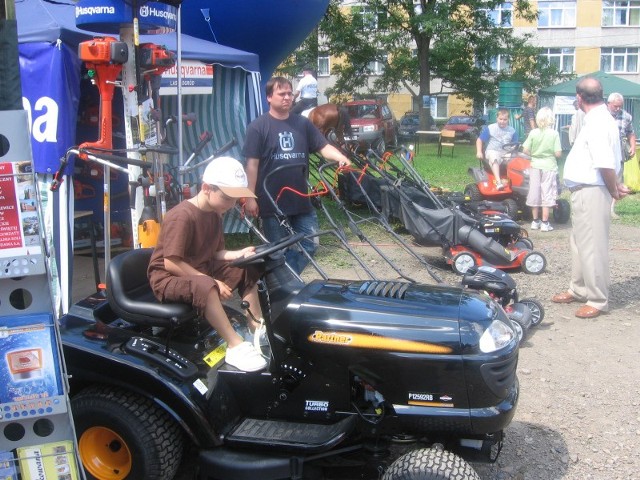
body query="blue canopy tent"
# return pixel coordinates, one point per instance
(50, 72)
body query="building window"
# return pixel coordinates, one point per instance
(556, 14)
(368, 19)
(324, 68)
(621, 14)
(562, 58)
(377, 66)
(500, 62)
(440, 107)
(501, 15)
(619, 60)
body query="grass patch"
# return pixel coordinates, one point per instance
(450, 173)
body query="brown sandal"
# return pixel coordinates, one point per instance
(585, 311)
(564, 297)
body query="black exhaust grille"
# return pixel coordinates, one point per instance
(500, 375)
(384, 289)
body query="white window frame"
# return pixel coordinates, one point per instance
(377, 67)
(441, 104)
(369, 18)
(562, 54)
(621, 59)
(549, 10)
(326, 60)
(500, 62)
(497, 15)
(621, 14)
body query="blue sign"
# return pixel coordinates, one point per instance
(108, 16)
(50, 77)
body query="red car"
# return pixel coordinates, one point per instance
(373, 124)
(466, 127)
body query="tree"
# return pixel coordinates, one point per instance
(455, 41)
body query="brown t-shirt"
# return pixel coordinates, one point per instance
(191, 235)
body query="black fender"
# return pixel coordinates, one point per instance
(89, 366)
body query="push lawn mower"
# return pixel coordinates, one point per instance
(499, 285)
(358, 371)
(467, 238)
(514, 193)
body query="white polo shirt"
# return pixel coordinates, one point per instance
(596, 146)
(308, 87)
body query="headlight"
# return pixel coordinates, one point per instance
(369, 128)
(497, 336)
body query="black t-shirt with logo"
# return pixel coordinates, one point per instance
(282, 142)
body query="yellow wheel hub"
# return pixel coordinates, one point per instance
(104, 454)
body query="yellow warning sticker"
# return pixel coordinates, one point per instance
(215, 356)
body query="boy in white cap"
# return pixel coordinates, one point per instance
(191, 265)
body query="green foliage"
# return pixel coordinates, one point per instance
(453, 40)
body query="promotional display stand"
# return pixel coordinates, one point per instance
(37, 438)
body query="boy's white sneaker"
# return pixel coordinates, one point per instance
(535, 225)
(546, 227)
(245, 357)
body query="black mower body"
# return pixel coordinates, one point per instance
(349, 361)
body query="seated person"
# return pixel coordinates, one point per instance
(191, 265)
(490, 143)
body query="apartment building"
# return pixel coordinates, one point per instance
(579, 36)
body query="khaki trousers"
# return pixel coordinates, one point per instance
(589, 242)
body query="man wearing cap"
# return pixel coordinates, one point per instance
(191, 265)
(307, 90)
(275, 139)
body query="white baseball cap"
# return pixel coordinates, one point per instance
(227, 174)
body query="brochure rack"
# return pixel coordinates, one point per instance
(37, 437)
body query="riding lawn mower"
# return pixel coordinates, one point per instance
(513, 194)
(389, 379)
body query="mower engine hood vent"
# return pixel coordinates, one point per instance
(384, 289)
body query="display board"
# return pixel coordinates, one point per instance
(36, 429)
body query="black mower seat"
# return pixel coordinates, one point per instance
(130, 295)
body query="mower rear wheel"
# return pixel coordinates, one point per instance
(524, 243)
(430, 464)
(462, 262)
(534, 263)
(473, 192)
(537, 310)
(562, 211)
(380, 147)
(122, 435)
(511, 208)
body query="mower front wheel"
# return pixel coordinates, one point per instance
(536, 308)
(473, 192)
(562, 211)
(122, 435)
(534, 263)
(511, 208)
(462, 262)
(430, 464)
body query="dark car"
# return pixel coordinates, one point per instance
(466, 127)
(409, 125)
(372, 123)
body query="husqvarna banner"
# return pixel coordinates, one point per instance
(50, 91)
(107, 16)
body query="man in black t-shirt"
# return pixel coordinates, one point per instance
(274, 139)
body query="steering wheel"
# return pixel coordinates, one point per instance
(266, 249)
(511, 147)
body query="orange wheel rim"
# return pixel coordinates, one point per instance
(104, 454)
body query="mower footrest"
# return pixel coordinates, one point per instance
(279, 434)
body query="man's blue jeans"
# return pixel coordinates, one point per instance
(306, 223)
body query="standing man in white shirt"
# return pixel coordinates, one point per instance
(591, 175)
(307, 90)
